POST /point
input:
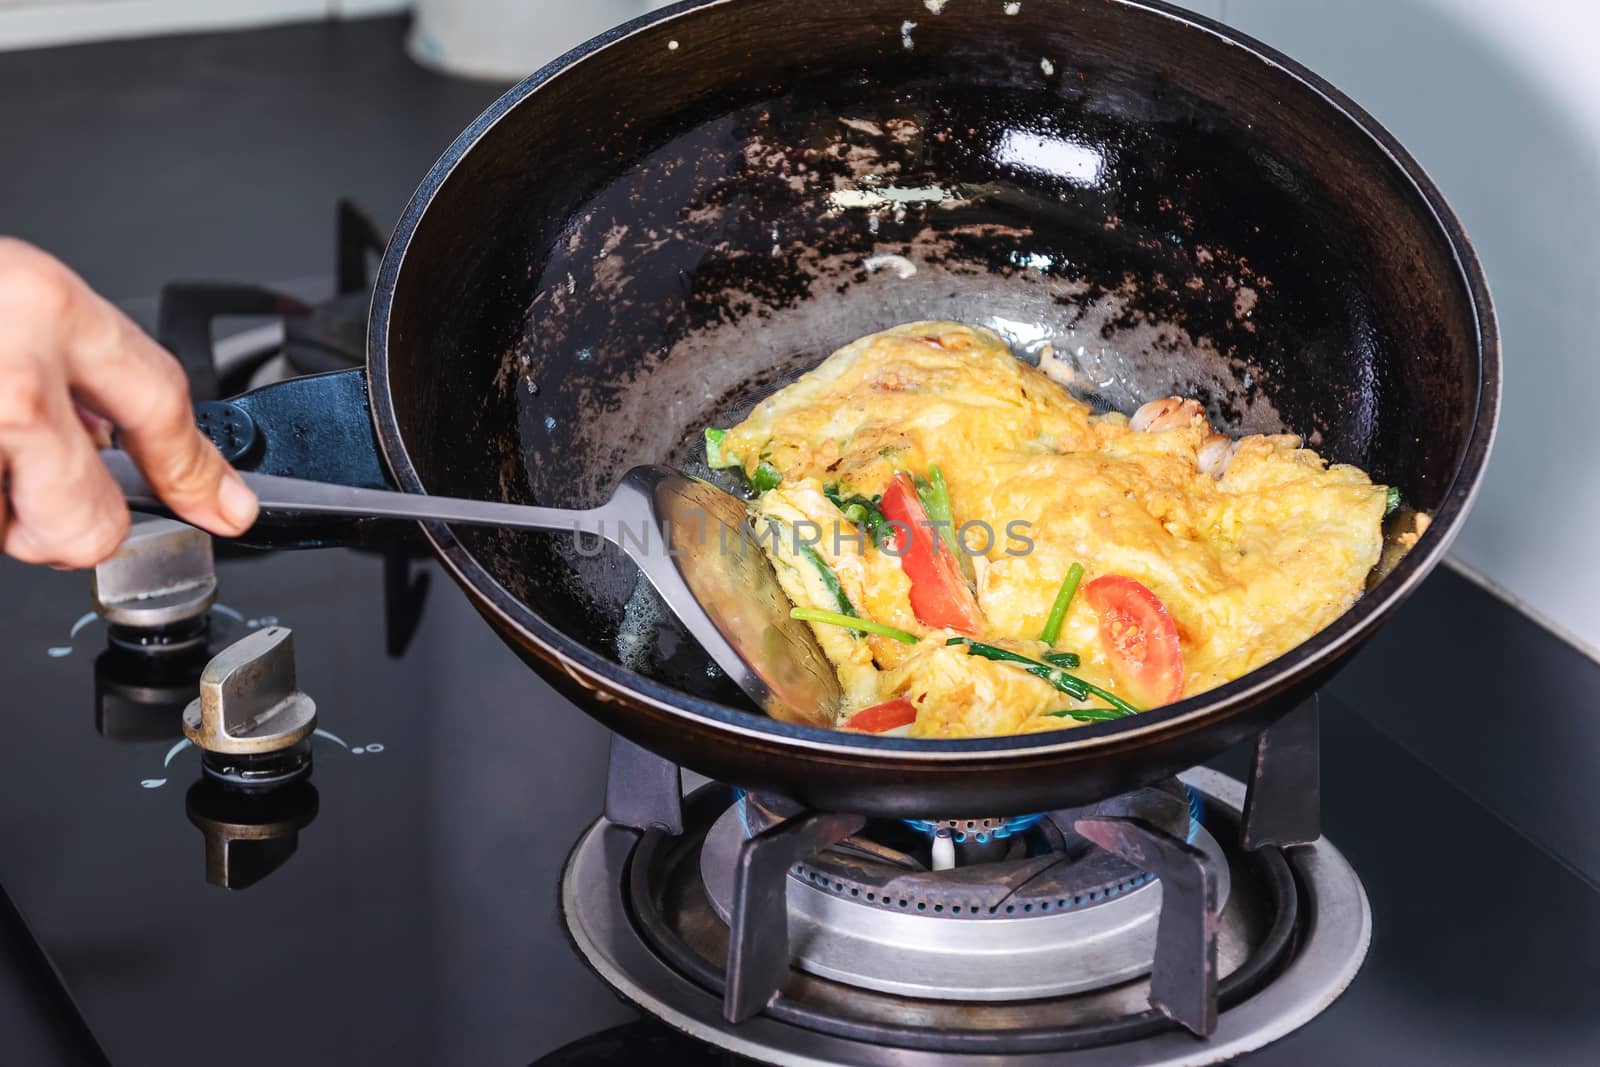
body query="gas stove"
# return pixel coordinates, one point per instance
(304, 805)
(423, 878)
(1171, 925)
(1166, 926)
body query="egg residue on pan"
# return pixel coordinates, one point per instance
(928, 501)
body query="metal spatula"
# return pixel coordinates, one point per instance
(691, 539)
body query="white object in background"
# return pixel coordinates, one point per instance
(509, 39)
(356, 9)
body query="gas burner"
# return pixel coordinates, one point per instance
(309, 339)
(1050, 914)
(977, 831)
(330, 336)
(1113, 933)
(643, 917)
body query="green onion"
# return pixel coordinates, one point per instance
(934, 493)
(1058, 610)
(717, 459)
(861, 512)
(1088, 714)
(995, 652)
(830, 580)
(1392, 501)
(1061, 659)
(940, 490)
(850, 622)
(766, 477)
(783, 533)
(1069, 684)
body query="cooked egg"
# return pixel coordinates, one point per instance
(1251, 548)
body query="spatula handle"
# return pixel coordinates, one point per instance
(321, 498)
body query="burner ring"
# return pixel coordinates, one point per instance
(936, 897)
(1060, 916)
(1051, 868)
(623, 901)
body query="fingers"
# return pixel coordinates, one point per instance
(69, 362)
(122, 374)
(59, 505)
(63, 507)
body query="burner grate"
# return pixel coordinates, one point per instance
(848, 863)
(667, 910)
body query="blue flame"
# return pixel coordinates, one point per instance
(744, 811)
(1016, 824)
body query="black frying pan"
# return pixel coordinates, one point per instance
(675, 219)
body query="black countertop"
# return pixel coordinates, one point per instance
(221, 156)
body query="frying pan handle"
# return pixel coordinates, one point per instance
(318, 427)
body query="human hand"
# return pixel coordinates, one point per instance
(72, 367)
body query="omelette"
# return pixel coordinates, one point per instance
(978, 553)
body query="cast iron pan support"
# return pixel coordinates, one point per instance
(1283, 805)
(643, 791)
(758, 934)
(183, 325)
(359, 236)
(1183, 982)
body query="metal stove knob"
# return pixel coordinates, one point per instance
(251, 720)
(156, 590)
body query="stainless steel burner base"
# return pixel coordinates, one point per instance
(1334, 937)
(944, 957)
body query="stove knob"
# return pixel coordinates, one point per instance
(251, 722)
(155, 591)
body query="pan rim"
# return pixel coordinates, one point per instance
(613, 681)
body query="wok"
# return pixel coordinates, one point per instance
(678, 217)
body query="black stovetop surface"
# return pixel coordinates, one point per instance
(416, 922)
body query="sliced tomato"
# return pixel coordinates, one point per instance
(1140, 639)
(940, 596)
(881, 717)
